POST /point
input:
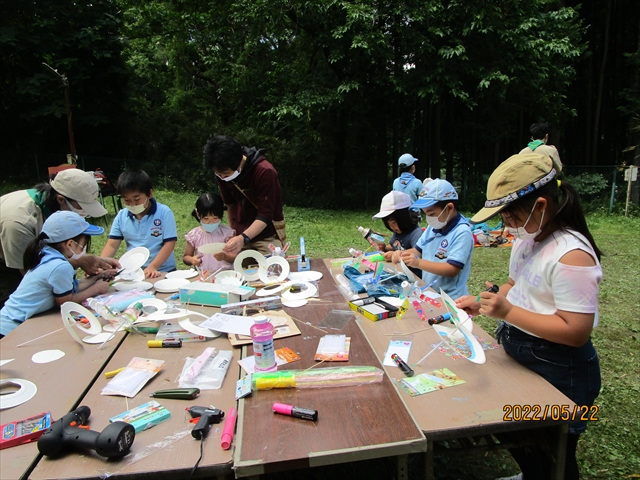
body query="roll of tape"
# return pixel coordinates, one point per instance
(263, 274)
(257, 256)
(27, 392)
(67, 309)
(308, 290)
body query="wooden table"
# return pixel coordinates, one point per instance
(167, 450)
(476, 407)
(355, 423)
(61, 384)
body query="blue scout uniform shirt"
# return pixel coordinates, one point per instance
(52, 277)
(452, 244)
(155, 228)
(405, 241)
(409, 184)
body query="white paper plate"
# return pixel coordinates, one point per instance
(310, 276)
(272, 289)
(182, 274)
(211, 248)
(273, 263)
(170, 285)
(309, 290)
(134, 258)
(132, 276)
(189, 326)
(410, 276)
(229, 277)
(99, 338)
(47, 356)
(112, 328)
(295, 303)
(255, 255)
(27, 392)
(124, 286)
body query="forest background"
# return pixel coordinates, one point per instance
(335, 90)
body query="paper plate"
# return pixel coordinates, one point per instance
(132, 276)
(170, 285)
(112, 328)
(47, 356)
(259, 259)
(99, 338)
(134, 258)
(267, 275)
(189, 326)
(410, 276)
(272, 289)
(211, 248)
(309, 290)
(160, 306)
(310, 276)
(27, 392)
(229, 277)
(123, 286)
(182, 274)
(295, 303)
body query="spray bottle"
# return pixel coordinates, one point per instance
(375, 239)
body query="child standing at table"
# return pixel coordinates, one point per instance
(404, 223)
(50, 278)
(143, 223)
(444, 250)
(549, 306)
(209, 211)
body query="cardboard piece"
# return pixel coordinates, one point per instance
(283, 323)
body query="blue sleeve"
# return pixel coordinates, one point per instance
(116, 228)
(170, 231)
(461, 248)
(61, 279)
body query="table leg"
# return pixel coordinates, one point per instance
(428, 462)
(402, 467)
(560, 452)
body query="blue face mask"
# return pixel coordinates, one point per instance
(210, 227)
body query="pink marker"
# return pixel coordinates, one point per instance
(229, 427)
(298, 412)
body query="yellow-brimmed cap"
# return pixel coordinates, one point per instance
(514, 178)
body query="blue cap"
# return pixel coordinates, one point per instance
(435, 191)
(406, 160)
(64, 225)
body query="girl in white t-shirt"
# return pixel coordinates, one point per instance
(208, 211)
(549, 306)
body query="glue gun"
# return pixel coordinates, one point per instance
(207, 417)
(114, 441)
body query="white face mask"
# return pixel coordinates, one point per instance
(76, 256)
(233, 176)
(435, 222)
(210, 227)
(521, 233)
(80, 212)
(137, 209)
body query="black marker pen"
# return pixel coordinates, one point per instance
(406, 369)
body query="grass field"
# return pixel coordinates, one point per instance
(611, 446)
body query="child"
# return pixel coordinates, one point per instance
(444, 250)
(50, 278)
(550, 304)
(144, 223)
(407, 182)
(209, 211)
(396, 216)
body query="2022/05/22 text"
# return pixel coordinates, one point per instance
(517, 413)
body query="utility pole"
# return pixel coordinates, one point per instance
(65, 83)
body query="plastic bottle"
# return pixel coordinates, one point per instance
(262, 335)
(132, 313)
(375, 239)
(220, 366)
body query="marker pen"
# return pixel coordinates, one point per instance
(229, 427)
(492, 289)
(406, 369)
(113, 373)
(298, 412)
(164, 343)
(439, 319)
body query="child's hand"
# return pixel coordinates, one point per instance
(494, 305)
(382, 247)
(395, 256)
(196, 260)
(409, 259)
(100, 288)
(388, 257)
(468, 304)
(151, 272)
(220, 256)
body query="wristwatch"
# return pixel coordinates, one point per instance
(246, 238)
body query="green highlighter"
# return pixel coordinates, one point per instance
(177, 393)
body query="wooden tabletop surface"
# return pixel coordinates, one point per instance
(354, 423)
(475, 407)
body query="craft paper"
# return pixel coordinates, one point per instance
(430, 382)
(221, 322)
(400, 348)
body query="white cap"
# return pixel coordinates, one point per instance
(391, 202)
(81, 187)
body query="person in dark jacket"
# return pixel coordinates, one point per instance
(251, 191)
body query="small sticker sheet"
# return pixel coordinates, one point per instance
(400, 348)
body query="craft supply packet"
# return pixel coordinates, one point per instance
(133, 378)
